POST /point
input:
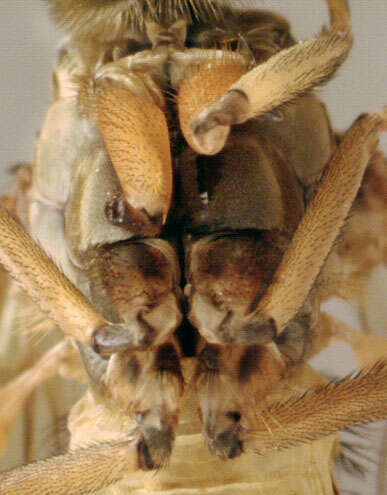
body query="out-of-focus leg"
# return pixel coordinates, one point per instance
(14, 394)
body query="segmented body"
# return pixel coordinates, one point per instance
(229, 210)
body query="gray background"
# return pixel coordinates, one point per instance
(27, 50)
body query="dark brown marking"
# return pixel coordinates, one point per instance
(228, 445)
(258, 331)
(188, 338)
(249, 363)
(293, 341)
(145, 460)
(209, 359)
(167, 361)
(234, 415)
(120, 213)
(151, 264)
(134, 368)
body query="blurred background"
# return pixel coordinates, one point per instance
(28, 43)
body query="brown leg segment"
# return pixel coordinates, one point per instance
(202, 84)
(284, 77)
(140, 281)
(321, 223)
(221, 99)
(147, 387)
(35, 272)
(14, 394)
(225, 273)
(362, 244)
(339, 14)
(229, 381)
(78, 472)
(321, 412)
(141, 157)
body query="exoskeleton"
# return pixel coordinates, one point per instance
(181, 224)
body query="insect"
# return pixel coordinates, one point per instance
(174, 141)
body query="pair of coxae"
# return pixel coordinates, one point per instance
(215, 90)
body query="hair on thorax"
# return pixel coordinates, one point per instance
(110, 19)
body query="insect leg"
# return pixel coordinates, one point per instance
(321, 223)
(368, 348)
(34, 271)
(284, 77)
(224, 274)
(321, 412)
(140, 281)
(362, 244)
(79, 472)
(339, 13)
(291, 282)
(140, 154)
(14, 394)
(147, 387)
(229, 381)
(214, 76)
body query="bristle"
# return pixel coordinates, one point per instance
(31, 320)
(322, 412)
(107, 20)
(85, 470)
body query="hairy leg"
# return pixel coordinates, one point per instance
(35, 273)
(285, 76)
(321, 223)
(14, 394)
